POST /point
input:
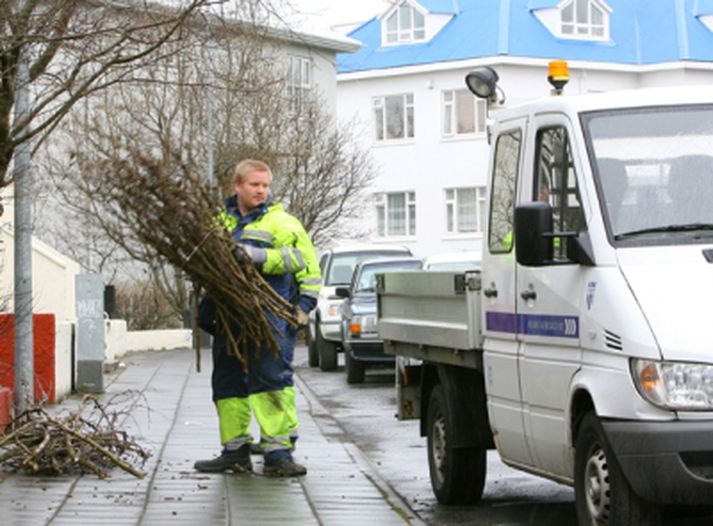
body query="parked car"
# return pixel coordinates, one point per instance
(359, 334)
(463, 260)
(337, 265)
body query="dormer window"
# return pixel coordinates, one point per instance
(405, 24)
(585, 19)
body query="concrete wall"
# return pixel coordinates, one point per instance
(116, 339)
(52, 277)
(158, 340)
(64, 355)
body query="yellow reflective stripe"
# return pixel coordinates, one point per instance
(312, 281)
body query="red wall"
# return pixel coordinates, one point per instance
(43, 331)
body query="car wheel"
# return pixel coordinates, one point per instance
(457, 474)
(603, 496)
(327, 352)
(354, 368)
(312, 353)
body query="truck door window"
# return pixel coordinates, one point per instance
(502, 199)
(556, 183)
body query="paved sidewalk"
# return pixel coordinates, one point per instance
(172, 415)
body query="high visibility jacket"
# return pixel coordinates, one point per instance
(281, 246)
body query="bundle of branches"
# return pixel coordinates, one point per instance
(155, 209)
(84, 441)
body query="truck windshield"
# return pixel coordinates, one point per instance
(654, 168)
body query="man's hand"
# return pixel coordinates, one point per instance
(249, 254)
(302, 318)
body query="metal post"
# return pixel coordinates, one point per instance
(24, 366)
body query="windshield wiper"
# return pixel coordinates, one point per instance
(689, 227)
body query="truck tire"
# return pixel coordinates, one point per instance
(327, 352)
(312, 353)
(354, 368)
(457, 474)
(603, 496)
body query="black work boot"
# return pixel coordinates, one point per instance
(285, 467)
(237, 461)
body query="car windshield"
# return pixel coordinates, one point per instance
(655, 171)
(343, 265)
(366, 281)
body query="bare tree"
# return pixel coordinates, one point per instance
(74, 48)
(163, 114)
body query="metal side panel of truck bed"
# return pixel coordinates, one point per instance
(430, 309)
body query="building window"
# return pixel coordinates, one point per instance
(395, 214)
(405, 24)
(300, 78)
(465, 210)
(584, 19)
(393, 115)
(463, 114)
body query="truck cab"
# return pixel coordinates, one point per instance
(581, 350)
(596, 284)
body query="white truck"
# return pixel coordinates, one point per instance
(583, 348)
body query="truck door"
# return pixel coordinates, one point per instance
(548, 302)
(498, 304)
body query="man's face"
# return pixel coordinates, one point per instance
(253, 189)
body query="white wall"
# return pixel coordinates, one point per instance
(52, 277)
(158, 340)
(63, 358)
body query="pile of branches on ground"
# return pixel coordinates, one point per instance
(86, 440)
(159, 210)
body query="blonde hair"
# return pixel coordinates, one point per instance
(244, 167)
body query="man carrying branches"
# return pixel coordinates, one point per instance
(261, 379)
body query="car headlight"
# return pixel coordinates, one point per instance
(333, 309)
(675, 385)
(362, 325)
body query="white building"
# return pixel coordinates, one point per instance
(427, 133)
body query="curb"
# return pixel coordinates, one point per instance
(361, 460)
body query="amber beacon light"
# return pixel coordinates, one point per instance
(558, 75)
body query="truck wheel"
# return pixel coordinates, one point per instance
(457, 474)
(312, 353)
(327, 352)
(603, 496)
(355, 369)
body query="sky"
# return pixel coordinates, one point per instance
(341, 12)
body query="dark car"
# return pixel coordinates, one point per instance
(359, 334)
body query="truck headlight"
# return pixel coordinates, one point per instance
(362, 326)
(675, 385)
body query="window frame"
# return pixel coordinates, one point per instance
(450, 113)
(453, 227)
(401, 32)
(584, 29)
(382, 213)
(379, 104)
(299, 91)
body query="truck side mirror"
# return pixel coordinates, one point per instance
(534, 238)
(532, 222)
(342, 292)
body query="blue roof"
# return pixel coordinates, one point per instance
(642, 32)
(703, 7)
(440, 6)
